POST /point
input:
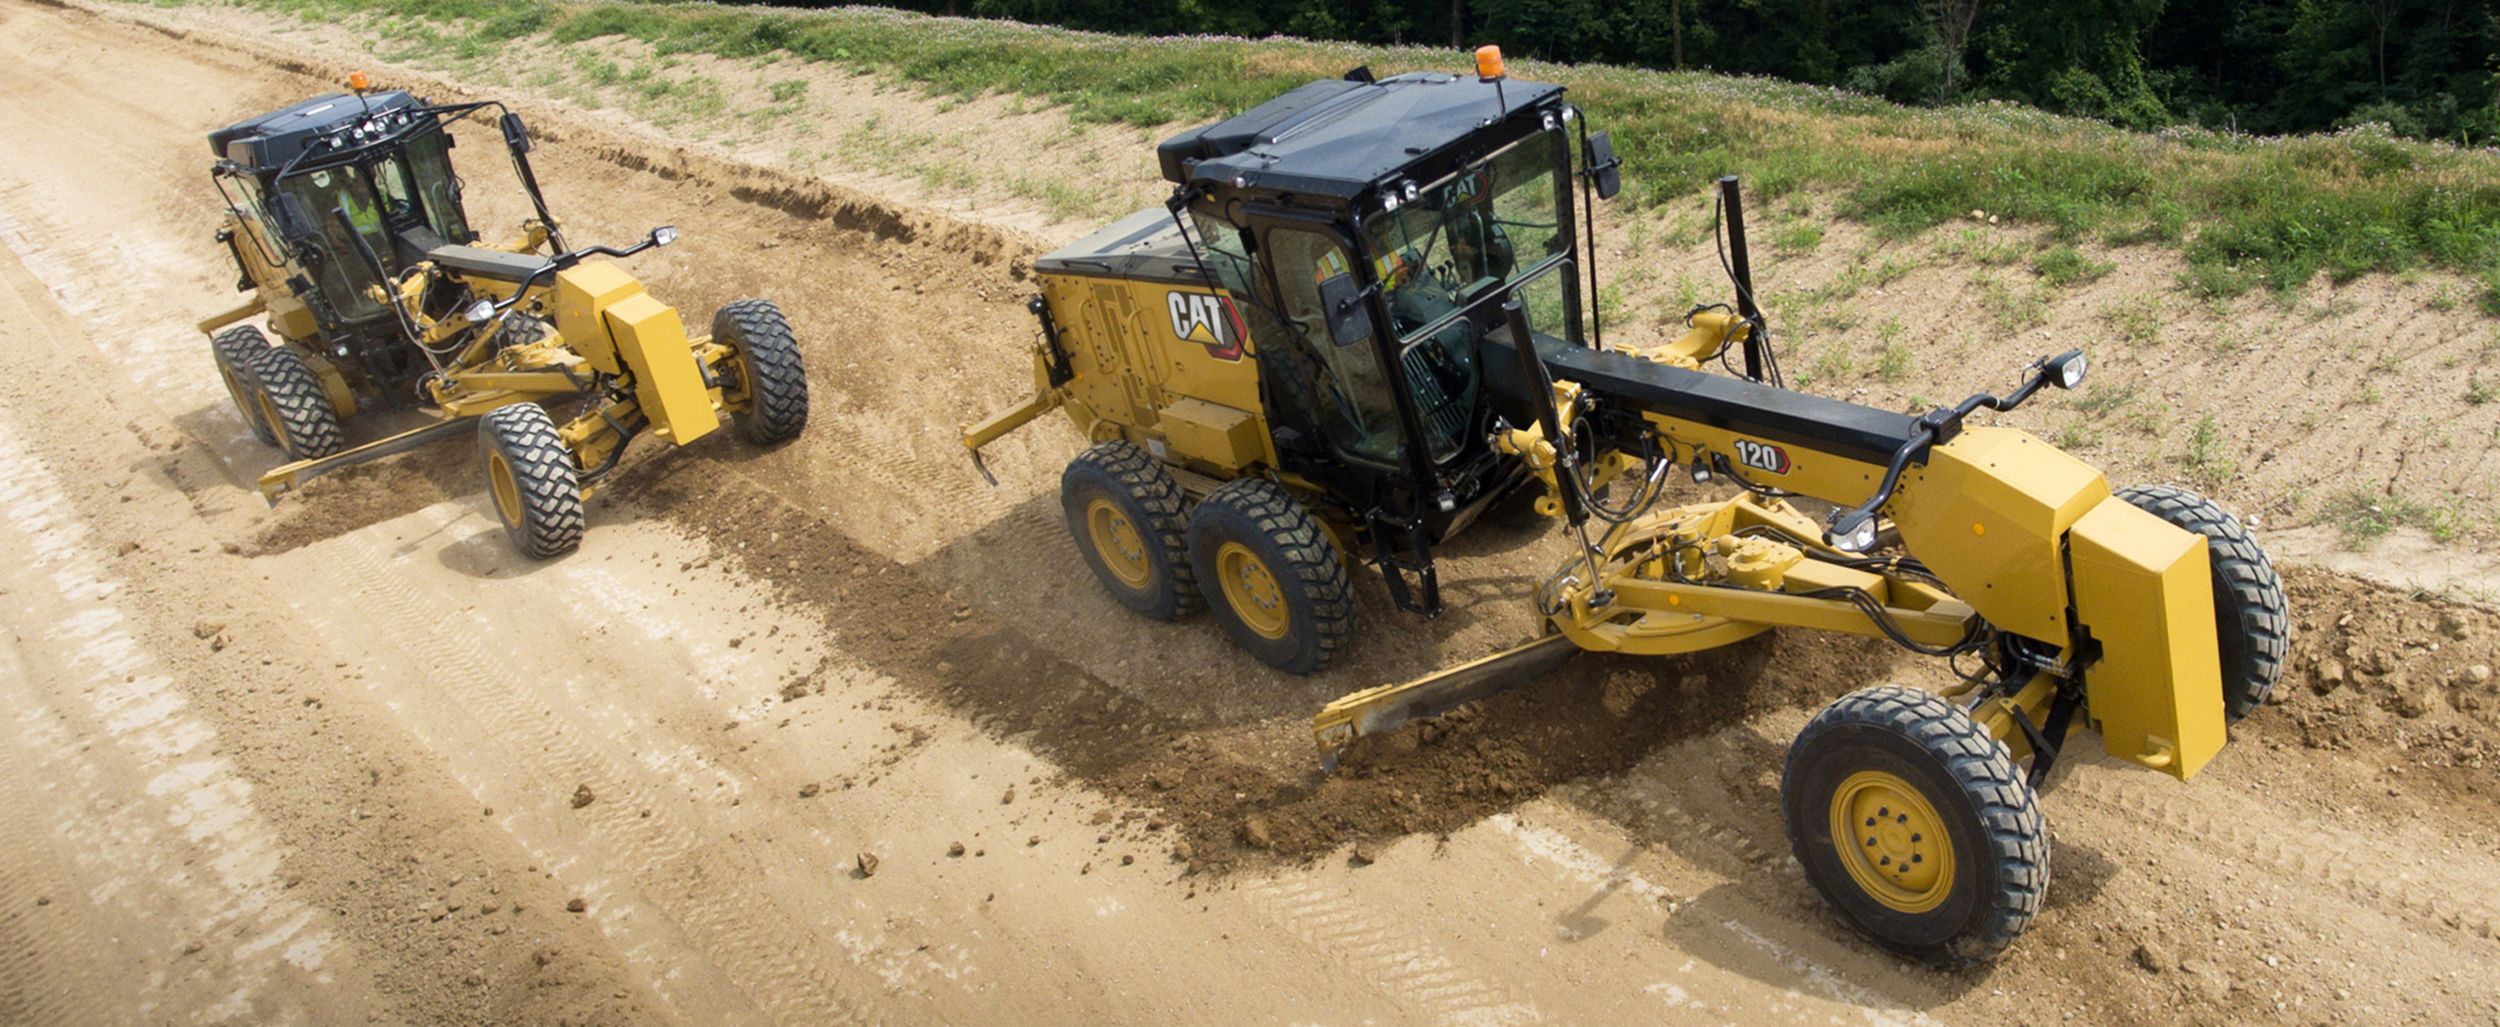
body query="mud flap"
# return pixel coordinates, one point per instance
(1386, 708)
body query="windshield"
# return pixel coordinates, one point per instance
(1500, 223)
(1494, 224)
(341, 269)
(437, 186)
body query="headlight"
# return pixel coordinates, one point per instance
(664, 235)
(2066, 369)
(480, 311)
(1852, 532)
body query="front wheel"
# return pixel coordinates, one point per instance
(2252, 620)
(1271, 576)
(531, 475)
(1915, 824)
(768, 373)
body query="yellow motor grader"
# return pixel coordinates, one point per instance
(1366, 313)
(347, 223)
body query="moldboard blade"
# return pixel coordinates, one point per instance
(1389, 707)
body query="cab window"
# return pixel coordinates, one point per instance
(436, 186)
(1351, 388)
(342, 272)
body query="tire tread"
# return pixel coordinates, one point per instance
(777, 400)
(552, 518)
(2008, 810)
(2242, 571)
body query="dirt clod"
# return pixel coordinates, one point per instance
(2150, 956)
(582, 796)
(956, 849)
(811, 790)
(575, 905)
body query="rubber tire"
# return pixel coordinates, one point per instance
(547, 485)
(1318, 598)
(772, 374)
(235, 349)
(2252, 619)
(1146, 494)
(1992, 818)
(305, 424)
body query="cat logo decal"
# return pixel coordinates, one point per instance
(1205, 319)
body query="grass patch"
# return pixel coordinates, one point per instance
(2246, 212)
(2064, 266)
(2363, 517)
(2014, 307)
(2137, 318)
(1802, 237)
(2208, 454)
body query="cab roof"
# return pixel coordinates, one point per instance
(1339, 138)
(269, 141)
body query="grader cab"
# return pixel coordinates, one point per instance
(346, 221)
(1367, 313)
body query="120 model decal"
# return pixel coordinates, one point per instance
(1762, 456)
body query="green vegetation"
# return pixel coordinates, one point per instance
(2014, 307)
(2263, 65)
(2207, 454)
(2063, 266)
(2363, 517)
(2247, 212)
(2138, 318)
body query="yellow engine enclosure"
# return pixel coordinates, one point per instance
(1164, 365)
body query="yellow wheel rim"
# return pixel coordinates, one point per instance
(1892, 841)
(1117, 540)
(277, 425)
(235, 391)
(1252, 591)
(507, 490)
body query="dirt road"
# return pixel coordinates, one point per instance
(353, 760)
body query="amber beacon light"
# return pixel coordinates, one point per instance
(1489, 63)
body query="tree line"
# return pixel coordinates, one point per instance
(2425, 68)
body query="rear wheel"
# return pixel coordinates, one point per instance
(769, 372)
(1127, 516)
(1271, 576)
(294, 405)
(235, 350)
(1915, 824)
(2252, 620)
(531, 476)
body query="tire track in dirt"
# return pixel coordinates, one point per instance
(2299, 848)
(40, 983)
(669, 863)
(196, 837)
(1403, 964)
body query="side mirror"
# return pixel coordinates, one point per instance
(516, 137)
(1604, 169)
(1349, 321)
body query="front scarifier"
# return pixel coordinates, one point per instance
(345, 221)
(1365, 315)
